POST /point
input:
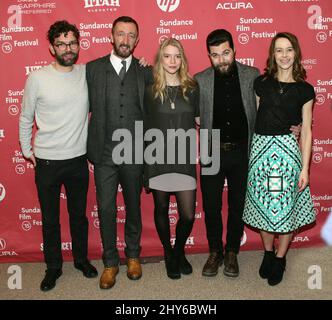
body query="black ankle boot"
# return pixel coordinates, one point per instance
(184, 264)
(277, 271)
(266, 266)
(172, 265)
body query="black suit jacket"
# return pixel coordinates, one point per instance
(97, 73)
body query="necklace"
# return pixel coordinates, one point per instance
(172, 99)
(281, 88)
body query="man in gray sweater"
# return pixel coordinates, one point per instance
(56, 97)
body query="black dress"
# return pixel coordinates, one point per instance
(171, 173)
(278, 111)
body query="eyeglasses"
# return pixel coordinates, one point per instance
(73, 45)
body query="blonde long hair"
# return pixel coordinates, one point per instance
(159, 85)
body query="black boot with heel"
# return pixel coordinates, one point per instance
(277, 272)
(267, 263)
(172, 265)
(184, 264)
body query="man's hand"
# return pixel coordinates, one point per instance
(33, 160)
(296, 130)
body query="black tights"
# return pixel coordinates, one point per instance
(186, 208)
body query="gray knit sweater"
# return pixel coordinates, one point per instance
(58, 101)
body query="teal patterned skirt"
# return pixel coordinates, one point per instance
(273, 203)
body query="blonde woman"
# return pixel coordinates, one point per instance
(278, 200)
(172, 104)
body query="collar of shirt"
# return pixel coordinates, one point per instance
(116, 62)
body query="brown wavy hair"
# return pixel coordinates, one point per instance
(159, 84)
(299, 73)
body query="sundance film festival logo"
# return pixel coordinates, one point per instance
(168, 5)
(13, 110)
(172, 220)
(85, 44)
(320, 99)
(317, 158)
(20, 169)
(7, 47)
(243, 38)
(321, 37)
(26, 225)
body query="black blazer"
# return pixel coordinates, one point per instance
(97, 73)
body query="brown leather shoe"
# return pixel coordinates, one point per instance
(231, 265)
(212, 264)
(107, 279)
(134, 271)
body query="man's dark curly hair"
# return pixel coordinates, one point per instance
(59, 27)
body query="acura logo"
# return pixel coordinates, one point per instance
(2, 244)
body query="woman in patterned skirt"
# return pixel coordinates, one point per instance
(278, 199)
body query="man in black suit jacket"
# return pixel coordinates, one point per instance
(116, 85)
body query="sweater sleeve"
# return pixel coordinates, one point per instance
(27, 116)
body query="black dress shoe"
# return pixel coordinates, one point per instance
(89, 271)
(212, 264)
(50, 278)
(231, 265)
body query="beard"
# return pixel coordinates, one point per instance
(120, 53)
(225, 69)
(67, 59)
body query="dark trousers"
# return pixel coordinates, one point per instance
(50, 175)
(108, 176)
(234, 167)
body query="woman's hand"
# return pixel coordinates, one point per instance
(143, 62)
(303, 179)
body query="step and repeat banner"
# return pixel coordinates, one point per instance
(24, 48)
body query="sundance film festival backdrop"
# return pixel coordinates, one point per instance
(24, 48)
